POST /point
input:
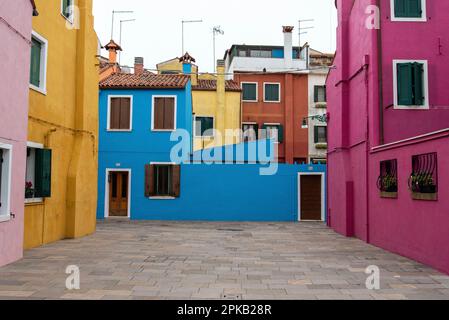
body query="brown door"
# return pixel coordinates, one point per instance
(311, 197)
(118, 194)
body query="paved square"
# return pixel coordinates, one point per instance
(174, 260)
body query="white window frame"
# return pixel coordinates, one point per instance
(34, 145)
(71, 13)
(108, 124)
(43, 70)
(257, 90)
(243, 131)
(426, 105)
(194, 127)
(175, 122)
(422, 19)
(163, 164)
(264, 88)
(5, 210)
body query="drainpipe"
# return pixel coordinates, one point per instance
(380, 74)
(367, 146)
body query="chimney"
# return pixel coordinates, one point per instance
(288, 46)
(138, 65)
(187, 68)
(113, 47)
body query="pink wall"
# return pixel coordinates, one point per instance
(15, 61)
(355, 207)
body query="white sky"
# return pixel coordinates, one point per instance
(156, 33)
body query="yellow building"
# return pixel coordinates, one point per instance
(216, 104)
(61, 174)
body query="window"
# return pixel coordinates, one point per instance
(250, 132)
(423, 181)
(164, 114)
(410, 84)
(5, 181)
(120, 114)
(320, 94)
(204, 126)
(274, 131)
(320, 134)
(260, 53)
(242, 53)
(67, 9)
(38, 63)
(162, 180)
(249, 91)
(408, 10)
(38, 173)
(272, 92)
(388, 179)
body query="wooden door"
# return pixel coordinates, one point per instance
(311, 197)
(118, 194)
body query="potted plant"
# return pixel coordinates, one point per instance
(422, 183)
(389, 183)
(29, 190)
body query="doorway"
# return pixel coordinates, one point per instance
(311, 206)
(118, 194)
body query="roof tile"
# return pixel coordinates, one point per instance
(147, 80)
(210, 85)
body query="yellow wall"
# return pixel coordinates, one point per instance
(66, 121)
(176, 65)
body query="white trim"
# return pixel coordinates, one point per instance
(409, 139)
(106, 190)
(422, 19)
(44, 58)
(272, 124)
(34, 145)
(257, 90)
(108, 124)
(323, 193)
(175, 113)
(426, 104)
(248, 123)
(6, 179)
(277, 83)
(194, 127)
(72, 5)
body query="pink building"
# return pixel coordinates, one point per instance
(15, 35)
(389, 127)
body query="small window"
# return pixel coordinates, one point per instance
(249, 92)
(38, 174)
(272, 92)
(261, 53)
(204, 126)
(408, 10)
(411, 84)
(5, 181)
(388, 179)
(67, 9)
(38, 63)
(242, 53)
(164, 114)
(320, 134)
(162, 180)
(250, 132)
(120, 114)
(275, 132)
(423, 181)
(320, 94)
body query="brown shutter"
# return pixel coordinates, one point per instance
(169, 113)
(176, 181)
(114, 121)
(158, 113)
(149, 180)
(125, 113)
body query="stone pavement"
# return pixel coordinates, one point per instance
(174, 260)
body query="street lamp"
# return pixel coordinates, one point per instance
(215, 31)
(320, 118)
(184, 22)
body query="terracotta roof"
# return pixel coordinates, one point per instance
(147, 80)
(211, 85)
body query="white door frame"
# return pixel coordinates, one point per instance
(323, 192)
(106, 190)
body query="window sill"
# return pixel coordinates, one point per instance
(321, 146)
(161, 130)
(321, 105)
(399, 107)
(250, 101)
(271, 101)
(118, 130)
(34, 201)
(5, 218)
(425, 196)
(388, 195)
(408, 19)
(37, 89)
(70, 20)
(162, 198)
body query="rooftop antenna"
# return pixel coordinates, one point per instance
(216, 30)
(184, 22)
(113, 16)
(301, 32)
(120, 39)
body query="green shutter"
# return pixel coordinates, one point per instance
(43, 173)
(249, 92)
(35, 67)
(316, 89)
(65, 8)
(418, 83)
(400, 9)
(272, 92)
(404, 84)
(280, 134)
(407, 8)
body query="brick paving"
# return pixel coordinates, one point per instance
(165, 260)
